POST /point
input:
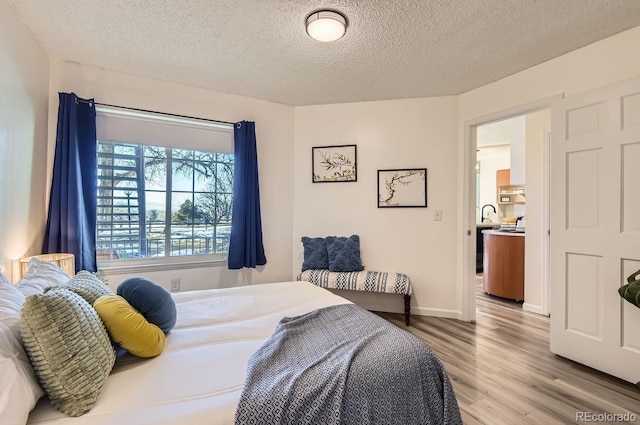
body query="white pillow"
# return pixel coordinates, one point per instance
(19, 387)
(41, 275)
(11, 301)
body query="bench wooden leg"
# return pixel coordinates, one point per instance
(407, 309)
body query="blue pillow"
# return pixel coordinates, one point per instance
(315, 253)
(151, 300)
(344, 254)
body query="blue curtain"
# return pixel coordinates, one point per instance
(71, 222)
(245, 244)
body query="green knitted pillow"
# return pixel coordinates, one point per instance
(631, 291)
(85, 284)
(69, 348)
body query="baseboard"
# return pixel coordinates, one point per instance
(436, 312)
(459, 317)
(391, 303)
(533, 309)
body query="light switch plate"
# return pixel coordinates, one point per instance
(437, 215)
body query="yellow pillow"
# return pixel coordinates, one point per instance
(128, 328)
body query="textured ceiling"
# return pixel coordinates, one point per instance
(259, 48)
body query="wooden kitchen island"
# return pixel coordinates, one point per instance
(503, 264)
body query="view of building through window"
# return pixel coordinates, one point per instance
(158, 202)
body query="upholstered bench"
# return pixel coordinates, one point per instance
(367, 281)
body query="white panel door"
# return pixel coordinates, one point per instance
(595, 228)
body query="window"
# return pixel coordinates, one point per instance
(163, 200)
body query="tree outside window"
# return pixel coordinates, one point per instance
(144, 211)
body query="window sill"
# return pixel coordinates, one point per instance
(155, 265)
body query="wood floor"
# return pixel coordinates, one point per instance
(502, 370)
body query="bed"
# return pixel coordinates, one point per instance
(200, 376)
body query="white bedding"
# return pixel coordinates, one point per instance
(199, 376)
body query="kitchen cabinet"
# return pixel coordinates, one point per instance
(503, 267)
(480, 245)
(506, 192)
(503, 178)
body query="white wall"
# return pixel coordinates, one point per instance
(491, 160)
(274, 133)
(518, 127)
(606, 62)
(388, 134)
(602, 63)
(24, 85)
(401, 133)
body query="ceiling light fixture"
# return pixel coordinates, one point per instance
(326, 25)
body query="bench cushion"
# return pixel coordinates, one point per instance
(368, 281)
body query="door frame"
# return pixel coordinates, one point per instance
(468, 261)
(546, 225)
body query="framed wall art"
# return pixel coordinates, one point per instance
(402, 188)
(332, 164)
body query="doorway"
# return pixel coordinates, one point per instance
(534, 209)
(501, 208)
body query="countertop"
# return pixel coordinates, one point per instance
(495, 232)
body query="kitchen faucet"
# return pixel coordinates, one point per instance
(482, 212)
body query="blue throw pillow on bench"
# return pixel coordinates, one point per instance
(344, 254)
(315, 253)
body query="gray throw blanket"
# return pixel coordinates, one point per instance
(345, 365)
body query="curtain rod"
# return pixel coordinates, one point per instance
(156, 112)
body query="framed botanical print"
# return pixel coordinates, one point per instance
(332, 164)
(402, 188)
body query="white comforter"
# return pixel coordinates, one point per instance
(199, 376)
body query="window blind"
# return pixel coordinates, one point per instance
(146, 128)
